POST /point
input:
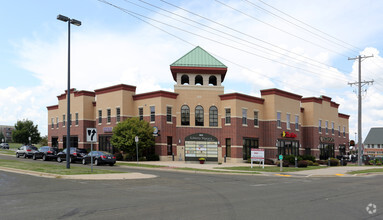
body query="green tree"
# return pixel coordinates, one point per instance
(2, 136)
(44, 141)
(25, 129)
(125, 132)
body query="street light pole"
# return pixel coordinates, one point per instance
(77, 23)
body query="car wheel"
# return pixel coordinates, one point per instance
(34, 157)
(59, 159)
(17, 155)
(25, 155)
(44, 158)
(83, 162)
(96, 162)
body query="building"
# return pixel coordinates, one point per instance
(7, 132)
(373, 144)
(199, 120)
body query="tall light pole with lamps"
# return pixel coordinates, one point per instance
(77, 23)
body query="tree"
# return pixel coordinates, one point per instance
(2, 137)
(44, 141)
(25, 129)
(124, 134)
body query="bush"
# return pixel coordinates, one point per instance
(118, 156)
(344, 163)
(315, 164)
(303, 163)
(269, 162)
(153, 157)
(334, 162)
(322, 162)
(308, 157)
(291, 158)
(285, 163)
(310, 163)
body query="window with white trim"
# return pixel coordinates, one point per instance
(256, 121)
(288, 121)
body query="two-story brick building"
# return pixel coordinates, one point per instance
(199, 120)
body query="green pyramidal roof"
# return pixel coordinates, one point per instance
(198, 57)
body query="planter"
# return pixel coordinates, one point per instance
(201, 161)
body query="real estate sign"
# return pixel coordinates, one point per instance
(257, 155)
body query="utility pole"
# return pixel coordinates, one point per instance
(360, 84)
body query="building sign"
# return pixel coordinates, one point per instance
(326, 139)
(108, 129)
(155, 131)
(200, 137)
(201, 145)
(287, 134)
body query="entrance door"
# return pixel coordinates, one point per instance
(248, 143)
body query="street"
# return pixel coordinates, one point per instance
(178, 195)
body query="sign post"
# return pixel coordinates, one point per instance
(280, 162)
(91, 136)
(136, 139)
(258, 155)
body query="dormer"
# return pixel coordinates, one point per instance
(198, 68)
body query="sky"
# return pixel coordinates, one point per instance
(302, 47)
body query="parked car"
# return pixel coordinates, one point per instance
(99, 157)
(45, 153)
(26, 151)
(76, 154)
(4, 145)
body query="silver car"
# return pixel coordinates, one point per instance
(26, 151)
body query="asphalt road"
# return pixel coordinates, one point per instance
(177, 195)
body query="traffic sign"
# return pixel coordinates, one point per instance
(281, 157)
(136, 139)
(91, 135)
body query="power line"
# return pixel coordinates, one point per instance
(137, 16)
(266, 50)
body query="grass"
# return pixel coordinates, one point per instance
(59, 169)
(270, 168)
(139, 165)
(9, 152)
(373, 170)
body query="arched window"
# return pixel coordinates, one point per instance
(213, 80)
(198, 80)
(185, 115)
(213, 116)
(184, 79)
(199, 116)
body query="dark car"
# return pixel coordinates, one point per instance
(26, 151)
(45, 153)
(99, 157)
(76, 154)
(4, 145)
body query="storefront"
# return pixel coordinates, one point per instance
(288, 147)
(249, 143)
(201, 146)
(326, 147)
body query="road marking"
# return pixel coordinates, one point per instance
(338, 174)
(283, 175)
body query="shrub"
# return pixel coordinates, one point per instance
(315, 164)
(153, 157)
(118, 156)
(322, 162)
(269, 162)
(344, 163)
(308, 157)
(291, 158)
(310, 163)
(334, 162)
(285, 163)
(303, 163)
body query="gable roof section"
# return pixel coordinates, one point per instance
(198, 61)
(375, 136)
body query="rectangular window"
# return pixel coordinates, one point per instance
(141, 113)
(288, 121)
(70, 120)
(99, 116)
(228, 147)
(169, 145)
(344, 131)
(326, 127)
(63, 120)
(57, 122)
(109, 115)
(279, 120)
(53, 123)
(118, 114)
(339, 131)
(332, 128)
(76, 118)
(256, 122)
(227, 116)
(169, 114)
(320, 126)
(297, 122)
(152, 113)
(244, 116)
